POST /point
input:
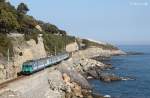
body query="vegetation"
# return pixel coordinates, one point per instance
(22, 8)
(5, 44)
(54, 43)
(91, 43)
(8, 18)
(16, 20)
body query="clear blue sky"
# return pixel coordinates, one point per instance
(115, 21)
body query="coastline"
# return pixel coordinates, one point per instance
(81, 68)
(69, 79)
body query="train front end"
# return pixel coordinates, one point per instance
(27, 69)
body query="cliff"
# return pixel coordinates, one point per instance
(23, 50)
(92, 52)
(27, 43)
(27, 50)
(72, 47)
(67, 80)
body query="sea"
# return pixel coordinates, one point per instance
(137, 67)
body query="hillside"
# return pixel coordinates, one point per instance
(23, 38)
(16, 20)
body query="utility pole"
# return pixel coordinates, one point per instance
(55, 50)
(8, 57)
(65, 43)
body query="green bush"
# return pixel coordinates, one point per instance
(55, 42)
(103, 46)
(8, 21)
(5, 44)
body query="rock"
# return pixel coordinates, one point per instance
(101, 58)
(54, 94)
(57, 83)
(89, 96)
(77, 90)
(89, 77)
(66, 78)
(86, 93)
(108, 77)
(10, 94)
(75, 76)
(134, 53)
(97, 51)
(92, 73)
(108, 66)
(38, 27)
(1, 66)
(72, 47)
(23, 51)
(97, 96)
(85, 64)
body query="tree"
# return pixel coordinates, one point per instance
(47, 27)
(22, 8)
(62, 32)
(2, 0)
(8, 21)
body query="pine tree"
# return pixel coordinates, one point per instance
(22, 8)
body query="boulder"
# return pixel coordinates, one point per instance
(57, 84)
(108, 77)
(134, 53)
(38, 27)
(92, 73)
(66, 78)
(54, 94)
(97, 96)
(77, 90)
(75, 76)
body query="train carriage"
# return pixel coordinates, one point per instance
(32, 66)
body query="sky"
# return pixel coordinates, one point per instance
(114, 21)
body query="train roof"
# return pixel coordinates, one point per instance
(30, 62)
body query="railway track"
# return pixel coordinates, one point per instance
(20, 76)
(3, 85)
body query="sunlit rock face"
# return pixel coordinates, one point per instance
(23, 50)
(72, 47)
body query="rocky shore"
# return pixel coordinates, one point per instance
(75, 73)
(69, 79)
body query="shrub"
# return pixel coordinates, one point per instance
(103, 46)
(5, 44)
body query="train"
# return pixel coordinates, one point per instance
(32, 66)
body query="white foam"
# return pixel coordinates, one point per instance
(107, 96)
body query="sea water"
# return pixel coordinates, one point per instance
(137, 67)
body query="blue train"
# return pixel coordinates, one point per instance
(32, 66)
